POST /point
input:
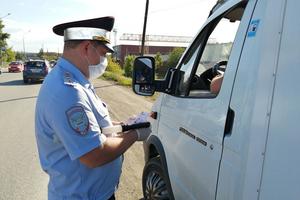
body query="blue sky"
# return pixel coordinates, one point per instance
(31, 21)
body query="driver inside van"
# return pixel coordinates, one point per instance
(216, 83)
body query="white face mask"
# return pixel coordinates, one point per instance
(97, 70)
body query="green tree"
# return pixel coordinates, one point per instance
(158, 61)
(50, 56)
(128, 65)
(3, 36)
(20, 56)
(175, 56)
(41, 53)
(3, 44)
(9, 55)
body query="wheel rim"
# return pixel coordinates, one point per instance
(155, 187)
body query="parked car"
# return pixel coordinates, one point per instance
(35, 70)
(241, 143)
(16, 66)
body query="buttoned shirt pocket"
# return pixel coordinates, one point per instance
(102, 111)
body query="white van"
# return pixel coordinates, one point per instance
(242, 143)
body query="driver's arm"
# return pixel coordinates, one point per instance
(215, 84)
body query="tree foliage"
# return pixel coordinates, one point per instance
(3, 36)
(9, 55)
(6, 53)
(41, 53)
(128, 65)
(113, 66)
(48, 55)
(175, 56)
(20, 56)
(158, 61)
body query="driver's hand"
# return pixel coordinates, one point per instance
(215, 84)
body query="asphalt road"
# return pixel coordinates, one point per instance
(21, 177)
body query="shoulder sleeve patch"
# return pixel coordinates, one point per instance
(78, 120)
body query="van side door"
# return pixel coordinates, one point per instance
(192, 121)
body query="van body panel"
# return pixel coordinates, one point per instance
(242, 160)
(280, 179)
(258, 158)
(186, 121)
(190, 114)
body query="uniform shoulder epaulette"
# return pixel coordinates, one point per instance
(69, 79)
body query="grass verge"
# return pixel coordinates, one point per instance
(120, 79)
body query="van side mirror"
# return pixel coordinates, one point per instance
(143, 76)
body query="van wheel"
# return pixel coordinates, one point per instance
(154, 181)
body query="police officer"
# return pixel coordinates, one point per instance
(82, 162)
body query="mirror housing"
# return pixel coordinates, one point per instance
(143, 78)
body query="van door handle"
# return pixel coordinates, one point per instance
(229, 122)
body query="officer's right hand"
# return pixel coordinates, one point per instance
(143, 133)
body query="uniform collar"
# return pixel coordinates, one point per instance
(68, 66)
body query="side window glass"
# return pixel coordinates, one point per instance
(203, 76)
(208, 77)
(186, 67)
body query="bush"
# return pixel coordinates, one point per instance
(114, 66)
(174, 56)
(161, 72)
(128, 65)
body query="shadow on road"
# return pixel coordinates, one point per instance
(17, 82)
(17, 99)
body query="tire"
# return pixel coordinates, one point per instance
(25, 80)
(155, 182)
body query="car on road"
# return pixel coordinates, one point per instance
(35, 70)
(16, 66)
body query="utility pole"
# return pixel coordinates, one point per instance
(144, 28)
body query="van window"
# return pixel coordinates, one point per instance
(204, 65)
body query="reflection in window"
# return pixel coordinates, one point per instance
(219, 45)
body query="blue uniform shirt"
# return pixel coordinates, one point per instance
(68, 119)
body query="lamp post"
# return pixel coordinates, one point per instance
(24, 44)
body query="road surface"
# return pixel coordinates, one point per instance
(21, 177)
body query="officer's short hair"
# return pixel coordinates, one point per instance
(72, 44)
